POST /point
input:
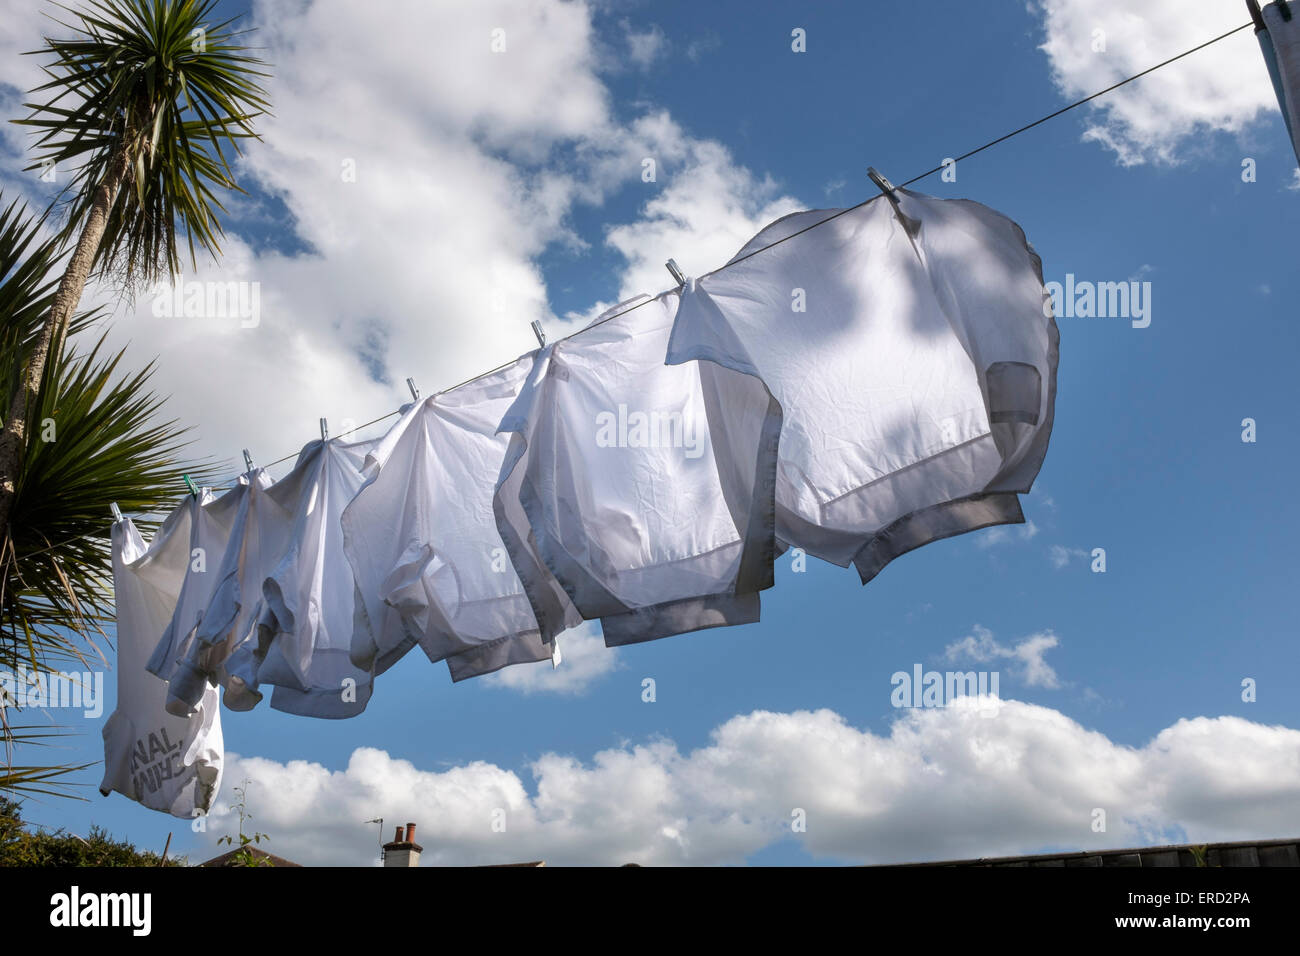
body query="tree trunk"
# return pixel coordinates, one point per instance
(13, 441)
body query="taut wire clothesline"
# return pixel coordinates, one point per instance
(820, 222)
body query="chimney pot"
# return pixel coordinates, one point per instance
(403, 851)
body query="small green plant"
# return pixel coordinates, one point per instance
(1199, 854)
(245, 856)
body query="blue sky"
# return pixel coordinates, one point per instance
(1146, 458)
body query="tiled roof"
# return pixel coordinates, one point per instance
(227, 858)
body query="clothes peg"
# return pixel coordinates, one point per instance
(324, 430)
(909, 225)
(415, 392)
(117, 512)
(884, 184)
(189, 483)
(678, 277)
(1283, 7)
(537, 331)
(1256, 15)
(248, 461)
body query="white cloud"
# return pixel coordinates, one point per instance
(643, 46)
(703, 44)
(407, 262)
(1038, 673)
(1039, 496)
(1001, 534)
(1164, 115)
(24, 24)
(584, 660)
(942, 783)
(1294, 184)
(707, 209)
(1060, 556)
(981, 646)
(467, 165)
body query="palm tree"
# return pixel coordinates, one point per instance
(99, 441)
(147, 101)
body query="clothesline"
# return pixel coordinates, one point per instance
(914, 179)
(376, 421)
(842, 212)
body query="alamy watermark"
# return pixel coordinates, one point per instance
(1083, 299)
(79, 690)
(637, 429)
(922, 688)
(197, 299)
(74, 909)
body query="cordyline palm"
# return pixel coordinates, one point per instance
(147, 102)
(97, 441)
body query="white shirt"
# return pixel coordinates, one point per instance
(179, 658)
(420, 536)
(164, 762)
(228, 633)
(307, 619)
(620, 480)
(915, 370)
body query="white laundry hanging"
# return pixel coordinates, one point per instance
(165, 762)
(615, 487)
(228, 632)
(914, 367)
(429, 565)
(178, 657)
(306, 622)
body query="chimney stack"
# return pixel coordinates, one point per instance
(403, 851)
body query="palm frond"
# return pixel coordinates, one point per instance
(97, 437)
(34, 779)
(156, 86)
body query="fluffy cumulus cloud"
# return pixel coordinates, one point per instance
(420, 160)
(942, 783)
(1026, 656)
(1162, 117)
(703, 215)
